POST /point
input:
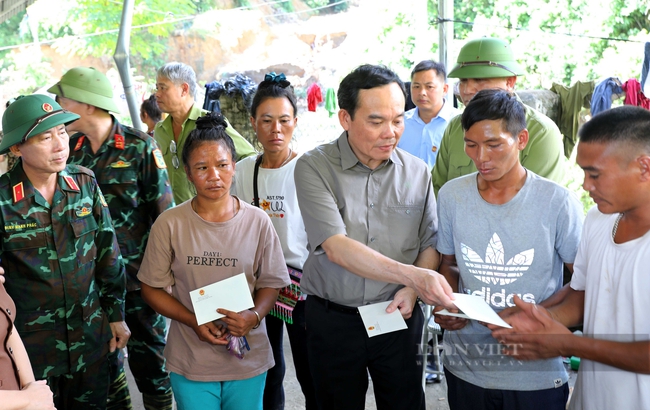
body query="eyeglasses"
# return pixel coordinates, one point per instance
(175, 161)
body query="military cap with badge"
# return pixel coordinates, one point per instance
(31, 115)
(486, 57)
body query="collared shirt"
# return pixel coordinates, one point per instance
(423, 139)
(390, 209)
(164, 135)
(132, 175)
(63, 268)
(544, 153)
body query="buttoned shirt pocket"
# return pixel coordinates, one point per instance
(85, 230)
(460, 164)
(120, 188)
(27, 241)
(403, 227)
(130, 240)
(35, 321)
(118, 176)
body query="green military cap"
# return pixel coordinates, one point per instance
(31, 115)
(486, 58)
(86, 85)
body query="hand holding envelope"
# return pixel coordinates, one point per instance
(377, 321)
(475, 308)
(231, 294)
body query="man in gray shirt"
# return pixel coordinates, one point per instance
(371, 223)
(504, 232)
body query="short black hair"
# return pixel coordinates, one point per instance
(273, 89)
(150, 106)
(209, 128)
(626, 124)
(364, 77)
(496, 104)
(427, 65)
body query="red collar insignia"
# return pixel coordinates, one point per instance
(19, 192)
(80, 142)
(71, 183)
(119, 141)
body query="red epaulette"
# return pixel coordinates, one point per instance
(80, 142)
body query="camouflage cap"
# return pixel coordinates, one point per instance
(486, 58)
(31, 115)
(86, 85)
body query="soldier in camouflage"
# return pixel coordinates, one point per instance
(132, 174)
(61, 257)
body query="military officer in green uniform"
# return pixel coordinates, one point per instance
(61, 258)
(132, 174)
(489, 63)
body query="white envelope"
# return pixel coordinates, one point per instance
(445, 312)
(474, 307)
(378, 322)
(231, 294)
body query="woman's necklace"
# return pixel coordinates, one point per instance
(288, 158)
(616, 225)
(285, 160)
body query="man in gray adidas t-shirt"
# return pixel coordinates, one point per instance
(504, 231)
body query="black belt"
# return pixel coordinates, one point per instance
(334, 306)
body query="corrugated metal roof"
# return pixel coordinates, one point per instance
(9, 8)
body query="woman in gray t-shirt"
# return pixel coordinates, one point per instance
(211, 237)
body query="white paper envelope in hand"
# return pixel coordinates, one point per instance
(445, 312)
(475, 308)
(231, 294)
(378, 322)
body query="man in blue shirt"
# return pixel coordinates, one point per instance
(425, 124)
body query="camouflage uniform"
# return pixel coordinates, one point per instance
(131, 173)
(65, 273)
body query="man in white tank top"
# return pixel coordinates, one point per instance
(611, 281)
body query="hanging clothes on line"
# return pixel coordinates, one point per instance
(645, 70)
(601, 100)
(330, 101)
(572, 100)
(634, 95)
(213, 91)
(314, 97)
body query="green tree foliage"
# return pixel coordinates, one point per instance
(90, 28)
(562, 41)
(335, 6)
(148, 44)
